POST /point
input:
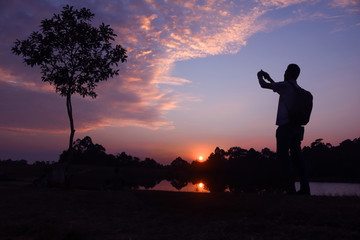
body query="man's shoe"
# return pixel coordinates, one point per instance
(303, 192)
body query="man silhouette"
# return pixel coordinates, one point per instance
(288, 134)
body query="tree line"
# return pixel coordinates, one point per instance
(236, 169)
(324, 161)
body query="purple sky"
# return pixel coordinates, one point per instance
(190, 81)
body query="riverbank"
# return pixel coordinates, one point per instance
(32, 213)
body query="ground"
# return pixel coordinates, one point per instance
(27, 212)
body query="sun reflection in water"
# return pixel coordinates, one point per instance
(200, 187)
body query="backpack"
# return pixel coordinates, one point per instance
(301, 106)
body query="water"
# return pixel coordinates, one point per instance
(317, 188)
(333, 189)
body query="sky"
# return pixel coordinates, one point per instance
(190, 83)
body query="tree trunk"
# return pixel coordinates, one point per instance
(72, 130)
(66, 180)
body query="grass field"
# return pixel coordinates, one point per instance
(91, 212)
(31, 213)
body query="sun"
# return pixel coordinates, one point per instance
(201, 158)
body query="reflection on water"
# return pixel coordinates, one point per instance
(200, 187)
(189, 187)
(317, 188)
(333, 189)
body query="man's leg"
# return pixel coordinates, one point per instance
(283, 140)
(298, 160)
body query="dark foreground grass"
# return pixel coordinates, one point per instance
(30, 213)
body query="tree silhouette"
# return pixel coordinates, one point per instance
(125, 160)
(86, 152)
(219, 156)
(178, 183)
(179, 163)
(73, 55)
(235, 153)
(86, 145)
(150, 163)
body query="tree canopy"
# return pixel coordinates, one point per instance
(72, 54)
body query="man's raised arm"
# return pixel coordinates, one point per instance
(261, 75)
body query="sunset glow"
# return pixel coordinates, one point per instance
(189, 84)
(200, 187)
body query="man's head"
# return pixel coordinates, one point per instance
(292, 72)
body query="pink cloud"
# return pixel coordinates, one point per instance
(281, 3)
(344, 3)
